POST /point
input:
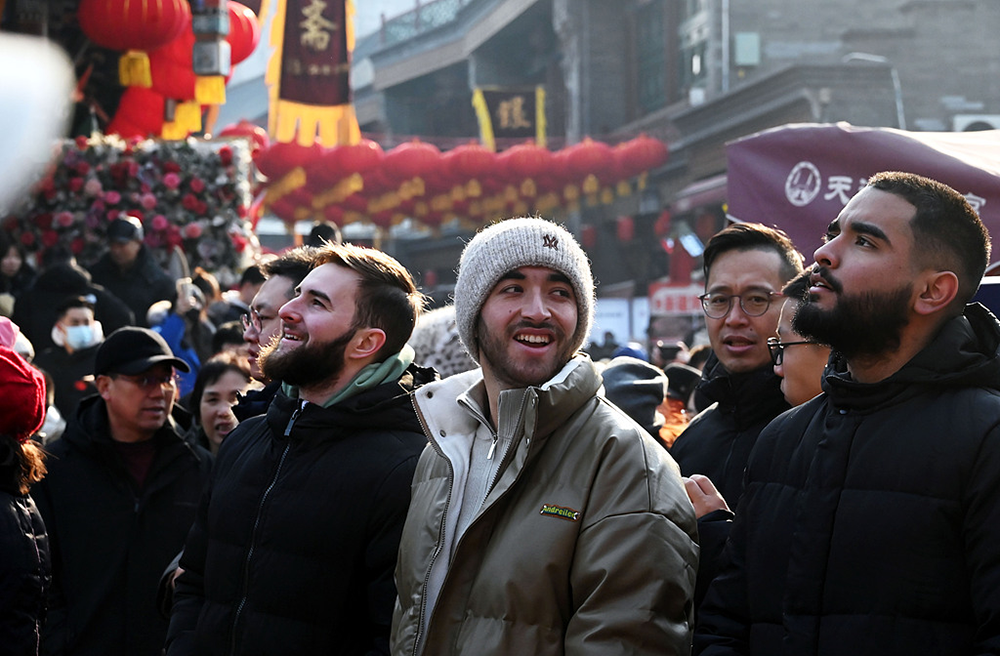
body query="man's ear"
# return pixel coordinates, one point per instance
(103, 384)
(936, 292)
(366, 343)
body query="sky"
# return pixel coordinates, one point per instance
(369, 12)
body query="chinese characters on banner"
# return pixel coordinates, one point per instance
(309, 73)
(513, 113)
(315, 66)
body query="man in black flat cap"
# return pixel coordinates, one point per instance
(118, 500)
(129, 271)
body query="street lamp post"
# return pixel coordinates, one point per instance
(896, 87)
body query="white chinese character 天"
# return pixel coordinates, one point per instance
(840, 187)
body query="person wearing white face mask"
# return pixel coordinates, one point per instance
(70, 362)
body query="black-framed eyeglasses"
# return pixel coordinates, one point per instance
(149, 382)
(254, 320)
(777, 349)
(753, 304)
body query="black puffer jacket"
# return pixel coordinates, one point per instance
(718, 441)
(294, 548)
(717, 444)
(25, 571)
(870, 523)
(109, 542)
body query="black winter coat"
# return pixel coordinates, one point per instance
(25, 570)
(293, 550)
(870, 521)
(110, 543)
(717, 444)
(139, 287)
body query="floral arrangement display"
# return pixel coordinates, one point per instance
(190, 194)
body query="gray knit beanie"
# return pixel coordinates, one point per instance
(504, 246)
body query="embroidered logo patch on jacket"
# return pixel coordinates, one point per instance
(559, 511)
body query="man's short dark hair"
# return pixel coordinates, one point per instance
(71, 302)
(230, 332)
(947, 232)
(252, 275)
(293, 264)
(798, 287)
(386, 298)
(753, 237)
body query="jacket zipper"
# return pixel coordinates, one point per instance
(253, 534)
(444, 516)
(506, 449)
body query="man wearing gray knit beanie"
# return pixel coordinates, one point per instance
(543, 520)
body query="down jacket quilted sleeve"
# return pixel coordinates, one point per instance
(870, 523)
(586, 544)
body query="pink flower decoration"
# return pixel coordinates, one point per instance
(197, 185)
(112, 197)
(160, 222)
(112, 215)
(192, 231)
(92, 187)
(171, 181)
(64, 219)
(148, 201)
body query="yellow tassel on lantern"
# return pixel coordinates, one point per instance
(623, 188)
(133, 69)
(210, 89)
(187, 119)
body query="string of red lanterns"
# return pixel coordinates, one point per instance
(362, 182)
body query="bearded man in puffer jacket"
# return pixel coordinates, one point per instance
(543, 519)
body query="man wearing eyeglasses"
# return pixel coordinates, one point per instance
(118, 500)
(745, 265)
(262, 325)
(870, 522)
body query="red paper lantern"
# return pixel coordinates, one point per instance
(244, 32)
(139, 114)
(280, 158)
(257, 134)
(589, 157)
(412, 160)
(470, 161)
(643, 153)
(525, 161)
(588, 237)
(133, 24)
(172, 68)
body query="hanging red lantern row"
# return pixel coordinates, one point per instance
(360, 182)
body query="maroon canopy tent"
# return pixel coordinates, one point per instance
(799, 177)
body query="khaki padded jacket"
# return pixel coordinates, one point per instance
(586, 543)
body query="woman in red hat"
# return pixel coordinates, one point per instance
(25, 571)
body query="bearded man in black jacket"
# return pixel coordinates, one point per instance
(869, 520)
(294, 545)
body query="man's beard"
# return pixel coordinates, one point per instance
(859, 325)
(313, 364)
(492, 349)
